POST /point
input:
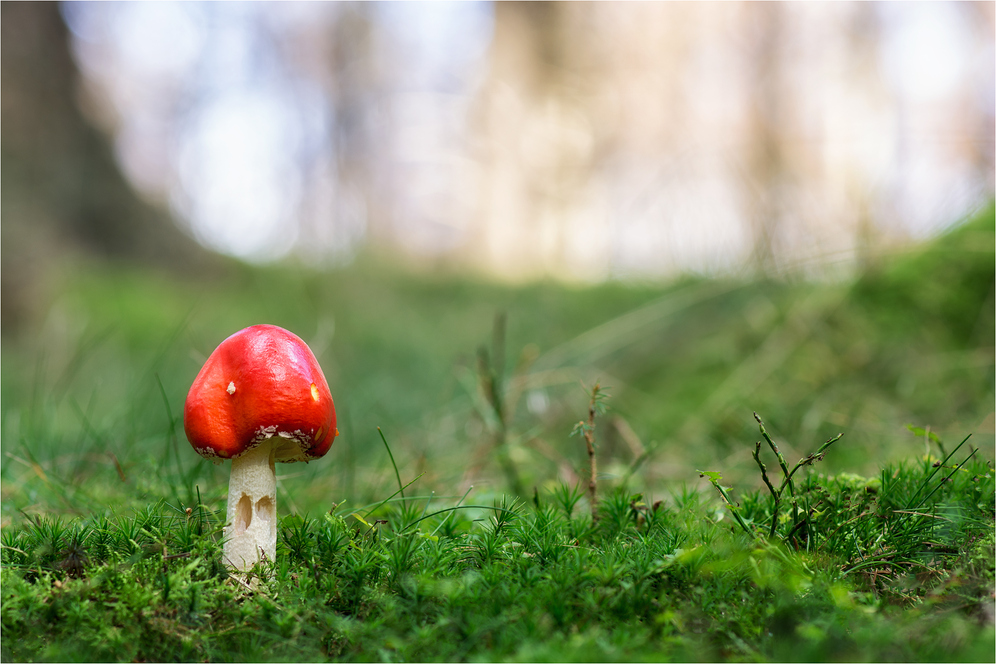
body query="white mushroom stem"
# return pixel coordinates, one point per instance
(251, 533)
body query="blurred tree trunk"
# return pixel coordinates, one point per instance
(538, 137)
(62, 191)
(353, 85)
(863, 34)
(766, 170)
(982, 18)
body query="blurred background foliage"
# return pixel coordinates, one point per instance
(828, 300)
(92, 401)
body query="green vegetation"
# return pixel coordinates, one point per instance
(877, 546)
(898, 567)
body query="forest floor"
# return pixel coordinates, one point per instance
(452, 522)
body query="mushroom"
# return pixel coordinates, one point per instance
(259, 398)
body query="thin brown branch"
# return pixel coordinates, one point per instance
(589, 439)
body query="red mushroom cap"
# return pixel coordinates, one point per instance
(260, 382)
